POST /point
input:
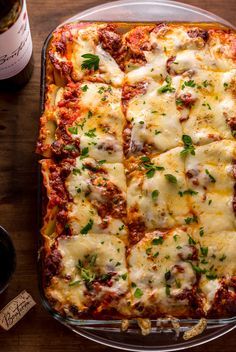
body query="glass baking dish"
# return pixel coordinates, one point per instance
(162, 337)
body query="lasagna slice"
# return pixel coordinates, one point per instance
(217, 265)
(153, 198)
(162, 276)
(206, 102)
(86, 275)
(210, 174)
(84, 196)
(153, 121)
(82, 118)
(87, 51)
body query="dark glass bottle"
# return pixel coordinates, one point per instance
(16, 54)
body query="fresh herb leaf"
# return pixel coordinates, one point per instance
(211, 276)
(212, 178)
(84, 153)
(157, 241)
(155, 194)
(69, 147)
(204, 251)
(167, 88)
(91, 61)
(171, 178)
(201, 231)
(198, 269)
(168, 290)
(91, 133)
(190, 220)
(84, 88)
(191, 240)
(189, 83)
(188, 146)
(187, 191)
(138, 293)
(87, 227)
(73, 129)
(74, 283)
(222, 258)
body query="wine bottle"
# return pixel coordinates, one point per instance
(16, 51)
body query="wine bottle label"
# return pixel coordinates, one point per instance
(15, 46)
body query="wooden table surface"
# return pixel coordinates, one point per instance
(19, 114)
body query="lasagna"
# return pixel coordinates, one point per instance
(138, 144)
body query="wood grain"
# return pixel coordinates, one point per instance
(19, 114)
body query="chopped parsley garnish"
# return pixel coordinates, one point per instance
(74, 283)
(157, 132)
(93, 259)
(90, 114)
(222, 258)
(168, 290)
(204, 251)
(226, 85)
(155, 254)
(87, 227)
(189, 83)
(124, 276)
(191, 240)
(84, 153)
(145, 159)
(150, 167)
(191, 220)
(179, 102)
(133, 284)
(201, 231)
(198, 269)
(167, 275)
(211, 276)
(69, 147)
(175, 237)
(208, 105)
(87, 276)
(157, 241)
(171, 178)
(167, 87)
(188, 146)
(101, 162)
(155, 194)
(212, 178)
(91, 61)
(84, 88)
(187, 191)
(121, 227)
(148, 250)
(91, 133)
(138, 293)
(73, 129)
(206, 83)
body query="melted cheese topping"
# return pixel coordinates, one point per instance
(87, 194)
(158, 274)
(215, 195)
(167, 209)
(154, 119)
(213, 107)
(91, 258)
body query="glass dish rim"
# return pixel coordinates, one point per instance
(83, 323)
